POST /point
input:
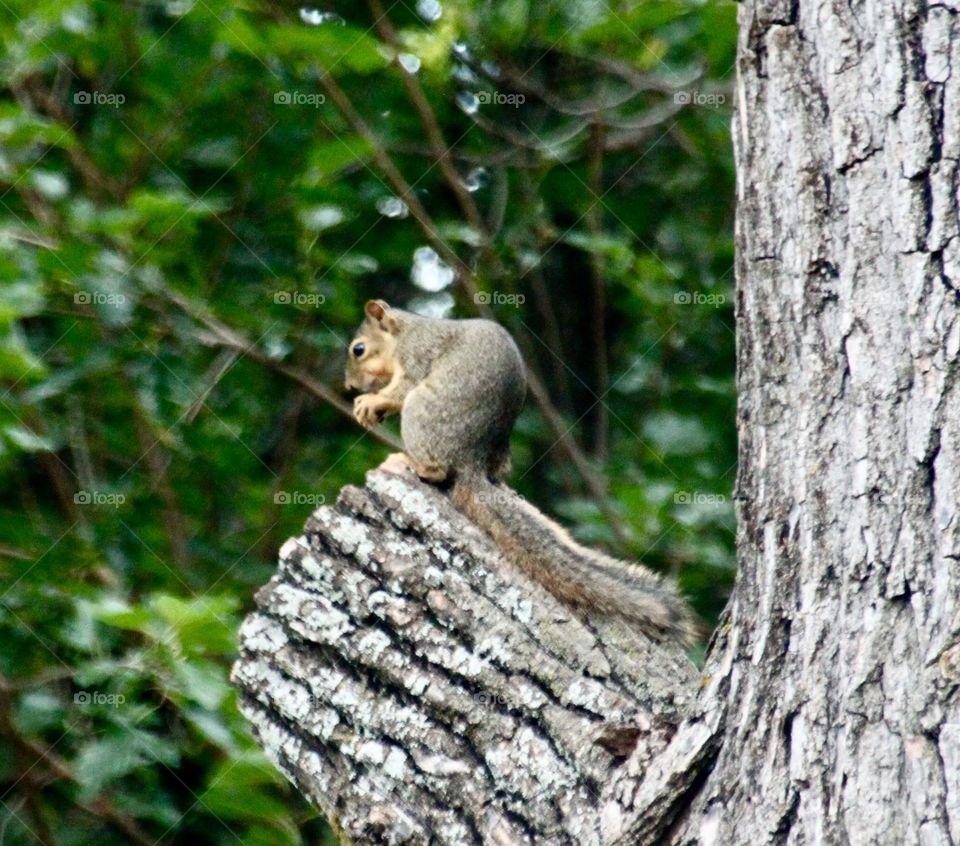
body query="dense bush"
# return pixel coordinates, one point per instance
(196, 198)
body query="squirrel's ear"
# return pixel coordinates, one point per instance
(379, 312)
(375, 309)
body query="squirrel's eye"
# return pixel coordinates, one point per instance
(359, 350)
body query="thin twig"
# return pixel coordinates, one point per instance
(438, 144)
(393, 175)
(598, 303)
(286, 440)
(157, 461)
(221, 335)
(545, 233)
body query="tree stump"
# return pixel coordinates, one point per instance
(418, 689)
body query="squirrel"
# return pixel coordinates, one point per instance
(459, 386)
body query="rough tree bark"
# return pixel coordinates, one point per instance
(840, 686)
(420, 690)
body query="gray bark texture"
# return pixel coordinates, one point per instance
(420, 690)
(840, 675)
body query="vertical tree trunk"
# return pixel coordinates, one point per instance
(842, 666)
(829, 711)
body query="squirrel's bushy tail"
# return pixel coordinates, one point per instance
(577, 576)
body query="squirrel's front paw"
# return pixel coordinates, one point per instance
(368, 409)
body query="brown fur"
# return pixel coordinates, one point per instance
(459, 386)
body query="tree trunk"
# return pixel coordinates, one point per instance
(840, 683)
(420, 690)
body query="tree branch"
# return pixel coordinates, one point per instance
(393, 175)
(222, 335)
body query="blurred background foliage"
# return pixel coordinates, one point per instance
(196, 198)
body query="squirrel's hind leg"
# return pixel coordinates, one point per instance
(429, 472)
(401, 462)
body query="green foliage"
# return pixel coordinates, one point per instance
(168, 168)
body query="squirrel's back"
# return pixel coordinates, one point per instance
(461, 413)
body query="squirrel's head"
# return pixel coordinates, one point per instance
(371, 355)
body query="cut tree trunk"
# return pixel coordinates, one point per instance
(419, 689)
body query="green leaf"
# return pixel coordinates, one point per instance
(676, 434)
(510, 19)
(117, 612)
(240, 33)
(203, 682)
(104, 760)
(203, 624)
(17, 362)
(334, 48)
(39, 711)
(20, 299)
(327, 158)
(245, 790)
(20, 128)
(211, 725)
